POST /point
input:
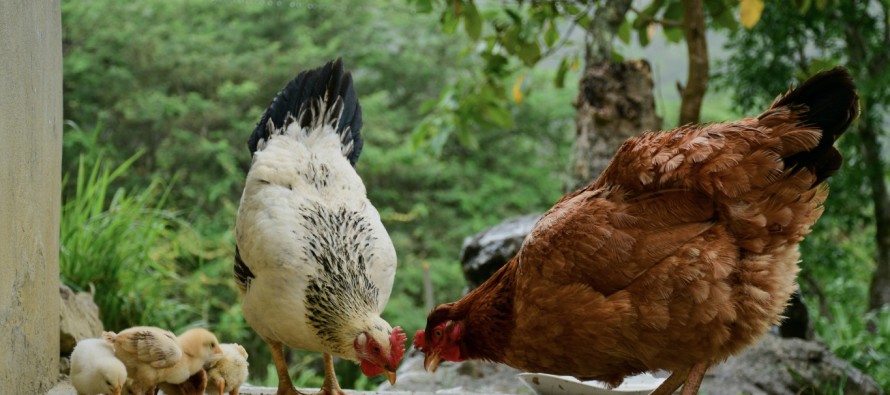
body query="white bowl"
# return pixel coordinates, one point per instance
(548, 384)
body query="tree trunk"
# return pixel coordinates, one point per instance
(879, 294)
(602, 29)
(615, 100)
(697, 48)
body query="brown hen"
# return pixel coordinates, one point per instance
(683, 252)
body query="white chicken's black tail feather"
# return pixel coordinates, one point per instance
(318, 97)
(828, 101)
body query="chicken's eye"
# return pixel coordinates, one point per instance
(377, 349)
(108, 382)
(437, 333)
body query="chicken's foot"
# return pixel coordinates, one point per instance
(285, 387)
(690, 379)
(330, 386)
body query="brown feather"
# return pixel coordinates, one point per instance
(684, 251)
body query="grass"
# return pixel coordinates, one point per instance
(111, 240)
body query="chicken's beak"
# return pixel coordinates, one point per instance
(431, 361)
(117, 391)
(391, 376)
(217, 350)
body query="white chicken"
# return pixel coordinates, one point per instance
(95, 370)
(227, 373)
(313, 261)
(153, 355)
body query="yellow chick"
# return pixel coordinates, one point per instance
(228, 372)
(153, 355)
(95, 370)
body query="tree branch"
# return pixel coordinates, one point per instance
(568, 33)
(651, 19)
(697, 48)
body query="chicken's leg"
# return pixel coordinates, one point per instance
(285, 387)
(693, 382)
(330, 386)
(673, 382)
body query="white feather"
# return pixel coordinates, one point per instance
(94, 368)
(280, 184)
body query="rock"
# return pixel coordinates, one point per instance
(777, 366)
(473, 377)
(65, 366)
(79, 318)
(485, 253)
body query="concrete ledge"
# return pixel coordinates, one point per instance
(65, 388)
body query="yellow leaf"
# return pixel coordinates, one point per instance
(517, 90)
(750, 11)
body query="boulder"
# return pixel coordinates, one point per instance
(774, 366)
(780, 366)
(79, 318)
(485, 253)
(472, 377)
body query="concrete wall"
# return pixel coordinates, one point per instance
(30, 187)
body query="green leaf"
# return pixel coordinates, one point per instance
(726, 19)
(468, 139)
(472, 21)
(498, 116)
(517, 19)
(624, 31)
(449, 21)
(551, 35)
(560, 79)
(673, 34)
(510, 40)
(584, 21)
(643, 35)
(423, 6)
(674, 12)
(529, 52)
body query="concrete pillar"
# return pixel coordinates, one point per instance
(30, 188)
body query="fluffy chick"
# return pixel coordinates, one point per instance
(228, 372)
(95, 370)
(153, 355)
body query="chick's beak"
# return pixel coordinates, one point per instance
(431, 361)
(117, 391)
(217, 350)
(391, 376)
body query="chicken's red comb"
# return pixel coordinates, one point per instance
(397, 340)
(419, 340)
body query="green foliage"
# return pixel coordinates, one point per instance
(794, 41)
(153, 232)
(114, 242)
(169, 80)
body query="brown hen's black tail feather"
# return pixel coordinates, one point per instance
(828, 101)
